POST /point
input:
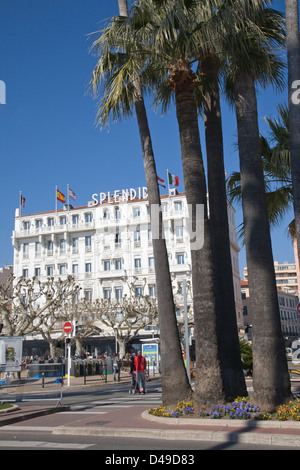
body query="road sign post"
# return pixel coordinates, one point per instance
(68, 328)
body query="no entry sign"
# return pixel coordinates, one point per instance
(298, 308)
(68, 327)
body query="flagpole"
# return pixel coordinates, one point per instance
(56, 201)
(168, 183)
(20, 205)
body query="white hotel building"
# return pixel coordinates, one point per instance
(108, 240)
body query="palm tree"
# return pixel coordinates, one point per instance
(254, 63)
(122, 91)
(293, 55)
(232, 373)
(172, 56)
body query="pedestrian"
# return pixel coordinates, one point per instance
(115, 362)
(140, 365)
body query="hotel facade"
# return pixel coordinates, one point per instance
(109, 240)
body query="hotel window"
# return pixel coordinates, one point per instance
(88, 267)
(180, 258)
(119, 293)
(38, 249)
(107, 293)
(49, 247)
(25, 250)
(152, 290)
(118, 264)
(117, 239)
(179, 233)
(25, 272)
(62, 269)
(136, 212)
(106, 264)
(38, 224)
(26, 226)
(117, 213)
(88, 294)
(63, 220)
(151, 263)
(178, 206)
(165, 207)
(137, 237)
(138, 290)
(75, 268)
(50, 222)
(88, 218)
(62, 246)
(75, 245)
(149, 235)
(137, 264)
(49, 270)
(106, 214)
(88, 243)
(37, 272)
(75, 219)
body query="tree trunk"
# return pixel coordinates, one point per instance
(230, 357)
(175, 383)
(208, 384)
(270, 372)
(293, 55)
(123, 8)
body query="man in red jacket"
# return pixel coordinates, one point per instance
(140, 365)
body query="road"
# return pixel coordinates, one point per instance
(100, 404)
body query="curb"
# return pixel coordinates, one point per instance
(185, 435)
(234, 431)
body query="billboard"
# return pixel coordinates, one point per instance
(150, 353)
(11, 352)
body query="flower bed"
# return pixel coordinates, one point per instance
(240, 408)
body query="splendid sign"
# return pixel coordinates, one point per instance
(120, 195)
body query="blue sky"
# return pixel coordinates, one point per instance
(48, 136)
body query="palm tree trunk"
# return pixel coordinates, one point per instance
(230, 357)
(208, 383)
(175, 383)
(123, 7)
(270, 372)
(293, 55)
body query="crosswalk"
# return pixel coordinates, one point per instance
(82, 410)
(112, 404)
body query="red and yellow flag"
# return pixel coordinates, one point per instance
(60, 196)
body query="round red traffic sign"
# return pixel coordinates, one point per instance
(298, 308)
(68, 327)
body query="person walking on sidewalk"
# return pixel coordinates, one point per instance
(115, 362)
(140, 365)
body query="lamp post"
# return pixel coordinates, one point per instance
(186, 332)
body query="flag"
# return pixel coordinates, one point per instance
(22, 200)
(161, 182)
(60, 196)
(71, 194)
(173, 180)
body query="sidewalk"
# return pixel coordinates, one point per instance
(138, 423)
